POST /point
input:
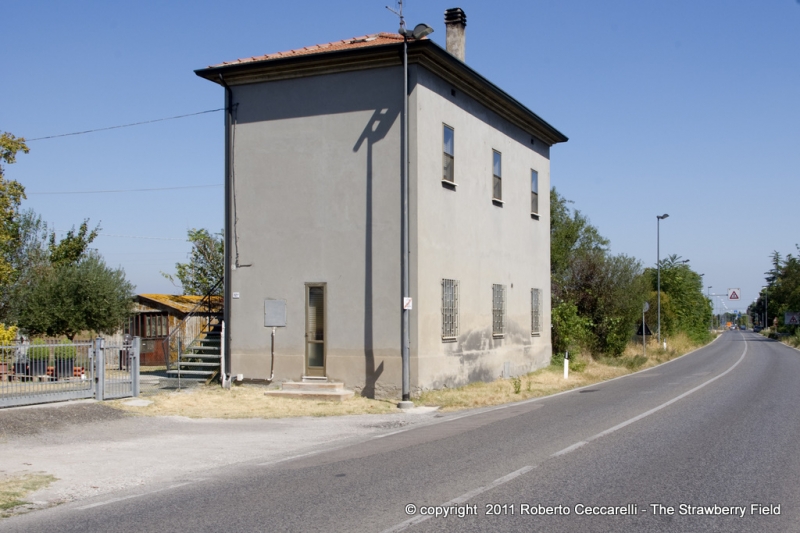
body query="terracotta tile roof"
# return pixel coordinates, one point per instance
(375, 39)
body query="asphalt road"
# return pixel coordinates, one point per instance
(715, 431)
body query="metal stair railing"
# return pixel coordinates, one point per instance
(198, 321)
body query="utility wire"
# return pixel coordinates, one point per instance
(128, 190)
(129, 236)
(125, 125)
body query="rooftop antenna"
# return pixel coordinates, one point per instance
(399, 13)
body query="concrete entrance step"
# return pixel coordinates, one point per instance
(318, 390)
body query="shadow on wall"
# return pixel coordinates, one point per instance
(376, 129)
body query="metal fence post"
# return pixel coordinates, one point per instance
(134, 365)
(100, 369)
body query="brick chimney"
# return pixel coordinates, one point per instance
(456, 22)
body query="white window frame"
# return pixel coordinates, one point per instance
(449, 157)
(534, 192)
(497, 177)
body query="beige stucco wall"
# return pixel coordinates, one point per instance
(316, 169)
(317, 179)
(463, 235)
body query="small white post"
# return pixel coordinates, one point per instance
(566, 365)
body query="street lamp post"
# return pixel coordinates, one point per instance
(659, 218)
(711, 321)
(419, 31)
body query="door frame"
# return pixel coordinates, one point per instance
(316, 371)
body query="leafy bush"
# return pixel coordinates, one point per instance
(66, 351)
(569, 328)
(38, 351)
(7, 335)
(575, 364)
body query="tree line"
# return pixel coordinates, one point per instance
(781, 294)
(598, 297)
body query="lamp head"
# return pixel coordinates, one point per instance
(662, 217)
(420, 31)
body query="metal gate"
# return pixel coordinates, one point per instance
(41, 372)
(117, 369)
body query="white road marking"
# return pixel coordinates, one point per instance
(270, 463)
(570, 448)
(114, 500)
(670, 402)
(461, 499)
(505, 479)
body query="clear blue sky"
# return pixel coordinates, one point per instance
(686, 107)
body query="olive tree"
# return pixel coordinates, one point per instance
(84, 296)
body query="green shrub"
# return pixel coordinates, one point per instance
(38, 350)
(575, 365)
(66, 351)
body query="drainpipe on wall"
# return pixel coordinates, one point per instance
(226, 285)
(226, 384)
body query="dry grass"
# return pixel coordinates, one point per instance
(248, 401)
(550, 380)
(14, 489)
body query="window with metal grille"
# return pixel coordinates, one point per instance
(536, 311)
(449, 157)
(497, 176)
(498, 309)
(534, 192)
(449, 309)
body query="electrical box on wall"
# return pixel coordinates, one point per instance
(274, 313)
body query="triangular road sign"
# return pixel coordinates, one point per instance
(733, 294)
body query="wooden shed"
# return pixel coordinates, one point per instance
(156, 316)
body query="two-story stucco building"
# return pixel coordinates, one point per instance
(313, 216)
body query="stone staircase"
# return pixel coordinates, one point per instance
(311, 388)
(200, 361)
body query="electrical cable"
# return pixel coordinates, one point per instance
(125, 125)
(127, 190)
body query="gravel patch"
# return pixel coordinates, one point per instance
(18, 422)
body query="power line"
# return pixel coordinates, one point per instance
(125, 125)
(129, 236)
(141, 237)
(128, 190)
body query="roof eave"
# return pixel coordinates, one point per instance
(424, 52)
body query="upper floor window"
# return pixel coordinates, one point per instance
(534, 192)
(497, 175)
(448, 155)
